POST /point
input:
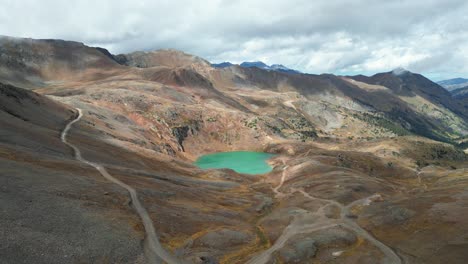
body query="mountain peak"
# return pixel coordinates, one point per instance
(257, 64)
(224, 64)
(160, 57)
(400, 71)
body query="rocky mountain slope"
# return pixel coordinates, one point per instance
(361, 174)
(33, 63)
(427, 98)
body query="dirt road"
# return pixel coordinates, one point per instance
(154, 251)
(300, 226)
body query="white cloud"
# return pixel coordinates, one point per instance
(348, 36)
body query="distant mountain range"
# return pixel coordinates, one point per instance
(460, 93)
(452, 84)
(258, 64)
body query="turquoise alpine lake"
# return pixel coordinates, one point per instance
(247, 162)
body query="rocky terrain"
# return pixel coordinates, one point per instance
(368, 169)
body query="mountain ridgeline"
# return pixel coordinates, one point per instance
(452, 84)
(258, 64)
(326, 105)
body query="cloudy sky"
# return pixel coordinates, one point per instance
(342, 37)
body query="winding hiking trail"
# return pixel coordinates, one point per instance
(301, 224)
(279, 194)
(155, 253)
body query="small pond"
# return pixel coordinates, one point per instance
(247, 162)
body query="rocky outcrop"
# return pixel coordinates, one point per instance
(182, 132)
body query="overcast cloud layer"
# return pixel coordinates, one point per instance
(342, 37)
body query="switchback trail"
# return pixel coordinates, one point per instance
(155, 253)
(321, 222)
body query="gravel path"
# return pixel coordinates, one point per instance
(322, 222)
(155, 253)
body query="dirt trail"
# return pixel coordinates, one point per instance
(420, 181)
(279, 194)
(289, 103)
(300, 226)
(154, 251)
